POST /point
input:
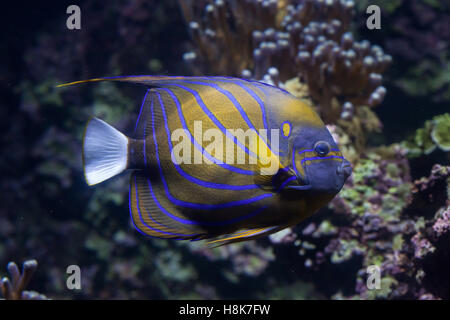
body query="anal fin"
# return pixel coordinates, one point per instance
(245, 235)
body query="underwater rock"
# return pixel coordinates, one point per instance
(430, 193)
(384, 228)
(442, 224)
(380, 184)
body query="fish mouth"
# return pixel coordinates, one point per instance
(345, 169)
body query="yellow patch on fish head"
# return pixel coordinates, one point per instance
(297, 111)
(286, 129)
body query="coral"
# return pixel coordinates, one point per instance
(222, 32)
(335, 67)
(246, 259)
(381, 218)
(14, 289)
(440, 134)
(379, 185)
(435, 134)
(309, 40)
(431, 253)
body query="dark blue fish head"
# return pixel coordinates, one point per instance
(317, 161)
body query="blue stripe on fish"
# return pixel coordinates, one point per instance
(200, 206)
(202, 223)
(140, 111)
(245, 87)
(255, 97)
(213, 117)
(148, 213)
(190, 178)
(200, 148)
(231, 97)
(286, 182)
(131, 212)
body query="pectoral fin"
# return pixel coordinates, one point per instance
(277, 181)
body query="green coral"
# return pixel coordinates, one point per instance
(366, 169)
(373, 259)
(392, 207)
(441, 131)
(386, 284)
(326, 228)
(347, 248)
(397, 242)
(434, 134)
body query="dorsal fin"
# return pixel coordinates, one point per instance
(145, 80)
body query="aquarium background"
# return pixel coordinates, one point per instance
(389, 114)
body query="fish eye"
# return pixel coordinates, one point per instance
(322, 148)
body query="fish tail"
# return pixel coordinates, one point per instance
(105, 151)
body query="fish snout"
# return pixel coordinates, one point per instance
(345, 169)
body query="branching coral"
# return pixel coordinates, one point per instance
(14, 288)
(330, 61)
(222, 32)
(308, 39)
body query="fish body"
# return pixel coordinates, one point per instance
(218, 158)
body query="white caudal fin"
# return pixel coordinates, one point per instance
(105, 151)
